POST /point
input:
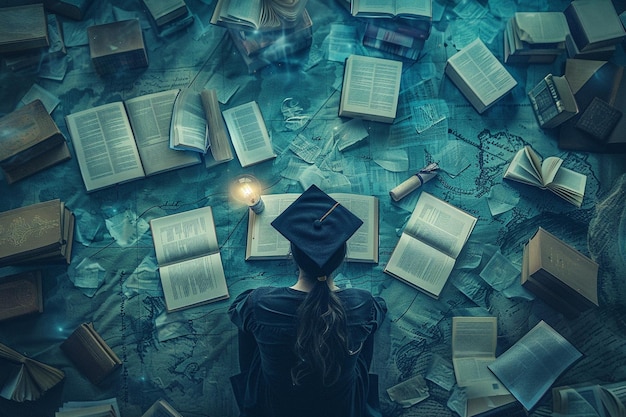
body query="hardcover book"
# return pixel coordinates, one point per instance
(479, 75)
(553, 101)
(534, 37)
(140, 130)
(23, 378)
(594, 24)
(161, 408)
(188, 254)
(220, 145)
(41, 232)
(30, 141)
(527, 167)
(258, 14)
(265, 242)
(117, 46)
(410, 9)
(23, 28)
(370, 88)
(90, 353)
(165, 11)
(428, 236)
(398, 37)
(20, 295)
(74, 9)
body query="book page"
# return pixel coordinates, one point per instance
(482, 71)
(184, 235)
(530, 367)
(194, 281)
(104, 145)
(371, 86)
(150, 116)
(242, 10)
(440, 224)
(363, 245)
(522, 169)
(218, 134)
(570, 181)
(265, 242)
(249, 134)
(420, 265)
(189, 130)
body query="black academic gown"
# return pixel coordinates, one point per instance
(266, 318)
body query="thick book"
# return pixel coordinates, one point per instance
(124, 141)
(249, 134)
(258, 14)
(90, 353)
(436, 231)
(23, 28)
(529, 168)
(552, 101)
(97, 410)
(74, 9)
(165, 11)
(220, 145)
(188, 255)
(474, 342)
(370, 88)
(20, 295)
(40, 232)
(30, 141)
(534, 37)
(161, 408)
(594, 24)
(600, 91)
(603, 53)
(117, 46)
(543, 355)
(413, 9)
(24, 378)
(265, 242)
(479, 75)
(563, 270)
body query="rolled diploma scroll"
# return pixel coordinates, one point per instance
(415, 181)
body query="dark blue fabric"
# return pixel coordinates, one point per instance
(266, 318)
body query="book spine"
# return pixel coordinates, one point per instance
(555, 94)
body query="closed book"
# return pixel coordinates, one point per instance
(117, 46)
(552, 101)
(35, 232)
(23, 28)
(30, 141)
(74, 9)
(594, 24)
(90, 353)
(20, 295)
(165, 11)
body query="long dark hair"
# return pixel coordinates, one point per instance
(321, 342)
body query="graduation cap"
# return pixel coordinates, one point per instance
(318, 226)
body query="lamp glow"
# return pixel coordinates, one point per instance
(247, 190)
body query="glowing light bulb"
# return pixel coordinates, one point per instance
(247, 190)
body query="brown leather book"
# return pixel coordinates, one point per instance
(23, 28)
(90, 353)
(30, 141)
(20, 295)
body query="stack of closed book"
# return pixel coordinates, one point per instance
(30, 141)
(553, 101)
(595, 29)
(535, 38)
(261, 48)
(37, 233)
(117, 46)
(400, 37)
(560, 275)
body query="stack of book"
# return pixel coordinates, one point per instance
(400, 37)
(40, 232)
(258, 49)
(168, 16)
(595, 29)
(535, 38)
(553, 101)
(30, 141)
(560, 275)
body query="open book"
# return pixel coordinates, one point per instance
(430, 243)
(188, 254)
(188, 128)
(414, 9)
(474, 342)
(161, 408)
(265, 242)
(527, 167)
(258, 14)
(530, 367)
(124, 141)
(249, 134)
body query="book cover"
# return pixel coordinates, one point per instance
(594, 24)
(23, 28)
(249, 134)
(370, 88)
(117, 46)
(30, 141)
(91, 355)
(74, 9)
(20, 295)
(165, 11)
